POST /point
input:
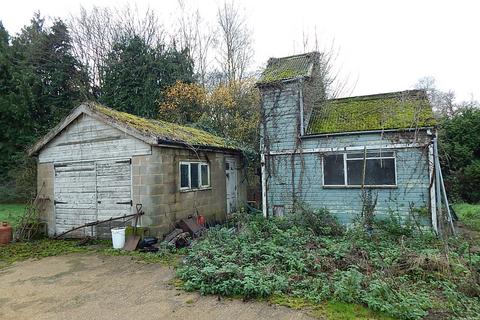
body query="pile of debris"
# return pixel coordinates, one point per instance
(183, 233)
(186, 230)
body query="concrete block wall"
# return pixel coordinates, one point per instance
(156, 185)
(45, 190)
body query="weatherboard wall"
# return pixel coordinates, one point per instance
(298, 177)
(88, 138)
(307, 174)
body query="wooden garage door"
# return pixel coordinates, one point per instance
(75, 195)
(90, 191)
(114, 187)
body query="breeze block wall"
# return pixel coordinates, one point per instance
(155, 180)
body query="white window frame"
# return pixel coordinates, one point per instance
(345, 173)
(200, 185)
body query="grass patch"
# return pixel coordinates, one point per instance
(21, 251)
(11, 212)
(302, 262)
(348, 311)
(469, 214)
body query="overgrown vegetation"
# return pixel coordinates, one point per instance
(469, 214)
(406, 275)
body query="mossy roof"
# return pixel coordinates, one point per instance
(286, 68)
(396, 110)
(163, 131)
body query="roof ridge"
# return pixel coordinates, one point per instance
(380, 95)
(306, 54)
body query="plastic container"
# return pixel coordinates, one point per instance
(118, 238)
(6, 233)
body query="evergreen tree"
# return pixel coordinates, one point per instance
(136, 74)
(40, 83)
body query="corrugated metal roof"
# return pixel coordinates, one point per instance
(280, 69)
(395, 110)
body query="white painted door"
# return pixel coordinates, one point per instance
(114, 188)
(231, 180)
(75, 196)
(90, 191)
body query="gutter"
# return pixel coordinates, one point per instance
(317, 135)
(170, 144)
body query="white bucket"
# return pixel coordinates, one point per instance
(118, 238)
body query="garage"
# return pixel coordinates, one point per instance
(91, 190)
(98, 163)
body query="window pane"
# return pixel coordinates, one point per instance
(194, 175)
(333, 170)
(184, 176)
(354, 172)
(204, 169)
(380, 172)
(377, 172)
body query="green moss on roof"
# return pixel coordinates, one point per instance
(279, 69)
(397, 110)
(164, 131)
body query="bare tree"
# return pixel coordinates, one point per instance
(95, 31)
(235, 42)
(195, 35)
(334, 83)
(443, 103)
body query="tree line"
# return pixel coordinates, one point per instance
(200, 74)
(122, 57)
(459, 141)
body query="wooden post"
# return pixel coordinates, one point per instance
(437, 187)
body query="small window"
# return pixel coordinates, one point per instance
(373, 168)
(194, 175)
(204, 175)
(333, 169)
(184, 176)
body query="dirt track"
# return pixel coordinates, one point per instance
(88, 286)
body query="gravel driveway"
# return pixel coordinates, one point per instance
(90, 286)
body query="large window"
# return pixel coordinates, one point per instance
(356, 169)
(194, 175)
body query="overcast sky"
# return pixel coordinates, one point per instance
(381, 46)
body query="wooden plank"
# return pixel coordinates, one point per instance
(90, 139)
(113, 186)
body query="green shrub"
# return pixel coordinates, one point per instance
(348, 286)
(399, 302)
(398, 274)
(320, 221)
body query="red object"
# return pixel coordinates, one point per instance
(201, 220)
(6, 233)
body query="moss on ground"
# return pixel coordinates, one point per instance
(21, 251)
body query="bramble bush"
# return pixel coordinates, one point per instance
(407, 277)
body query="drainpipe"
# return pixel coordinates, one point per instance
(433, 183)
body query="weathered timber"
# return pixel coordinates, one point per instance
(95, 223)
